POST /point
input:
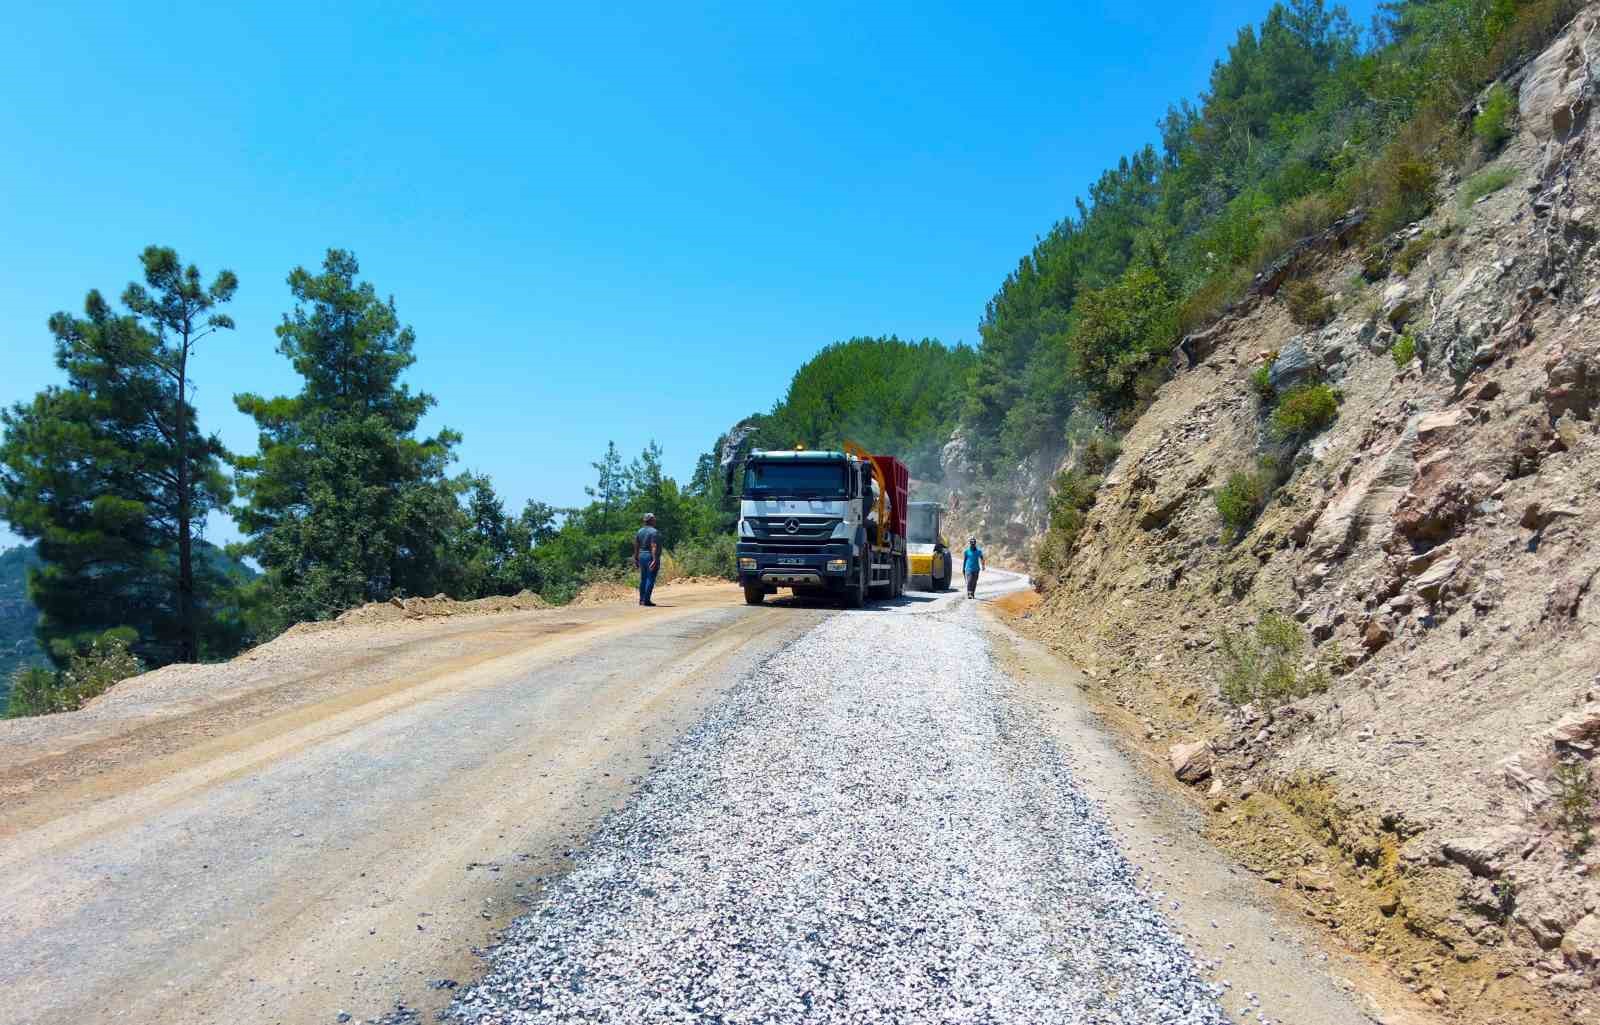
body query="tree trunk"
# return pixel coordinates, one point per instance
(188, 634)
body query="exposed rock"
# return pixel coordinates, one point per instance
(1397, 304)
(1293, 363)
(1378, 633)
(1566, 596)
(1432, 425)
(1537, 515)
(1419, 563)
(1482, 854)
(1552, 101)
(1546, 920)
(1314, 877)
(1191, 763)
(1364, 507)
(1581, 944)
(1427, 515)
(1572, 384)
(1581, 727)
(1431, 584)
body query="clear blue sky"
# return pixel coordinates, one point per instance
(603, 225)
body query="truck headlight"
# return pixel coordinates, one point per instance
(844, 529)
(838, 565)
(749, 564)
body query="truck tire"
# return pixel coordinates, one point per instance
(899, 578)
(754, 594)
(855, 596)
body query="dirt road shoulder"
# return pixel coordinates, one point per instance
(1271, 964)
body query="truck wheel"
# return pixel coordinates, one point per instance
(899, 578)
(855, 596)
(754, 594)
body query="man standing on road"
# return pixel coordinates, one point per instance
(647, 556)
(972, 565)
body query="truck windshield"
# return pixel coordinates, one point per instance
(920, 525)
(795, 479)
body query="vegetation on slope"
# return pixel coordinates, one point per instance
(1300, 122)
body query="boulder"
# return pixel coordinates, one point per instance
(1572, 384)
(1581, 944)
(1398, 304)
(1433, 425)
(1546, 919)
(1580, 727)
(1294, 362)
(1566, 596)
(1316, 878)
(1379, 632)
(1191, 763)
(1483, 853)
(1431, 584)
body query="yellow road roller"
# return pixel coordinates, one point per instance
(926, 549)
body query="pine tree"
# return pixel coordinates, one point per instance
(345, 504)
(110, 474)
(609, 485)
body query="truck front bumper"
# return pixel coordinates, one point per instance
(823, 567)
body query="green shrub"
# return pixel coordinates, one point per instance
(1492, 126)
(1305, 409)
(1413, 252)
(1309, 305)
(1575, 799)
(34, 691)
(1261, 381)
(1375, 263)
(1240, 500)
(1266, 665)
(1404, 350)
(1490, 179)
(712, 557)
(90, 673)
(1406, 185)
(1099, 451)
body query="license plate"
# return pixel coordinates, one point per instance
(791, 562)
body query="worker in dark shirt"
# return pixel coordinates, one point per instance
(647, 556)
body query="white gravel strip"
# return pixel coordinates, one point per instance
(864, 830)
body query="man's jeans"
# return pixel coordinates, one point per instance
(972, 583)
(647, 579)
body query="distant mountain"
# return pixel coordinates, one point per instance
(18, 616)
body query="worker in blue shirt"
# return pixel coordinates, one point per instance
(972, 565)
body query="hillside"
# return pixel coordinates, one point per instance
(18, 646)
(17, 616)
(1418, 774)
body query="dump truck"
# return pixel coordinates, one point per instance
(927, 553)
(824, 524)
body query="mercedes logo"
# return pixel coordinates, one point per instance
(792, 526)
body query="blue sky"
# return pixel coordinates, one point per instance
(603, 225)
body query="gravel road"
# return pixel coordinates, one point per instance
(852, 838)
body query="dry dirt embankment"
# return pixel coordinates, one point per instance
(1438, 542)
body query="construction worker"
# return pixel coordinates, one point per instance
(647, 556)
(972, 565)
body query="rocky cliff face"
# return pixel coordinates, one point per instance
(1439, 545)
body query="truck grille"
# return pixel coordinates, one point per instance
(792, 530)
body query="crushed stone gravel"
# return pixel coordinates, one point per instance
(851, 836)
